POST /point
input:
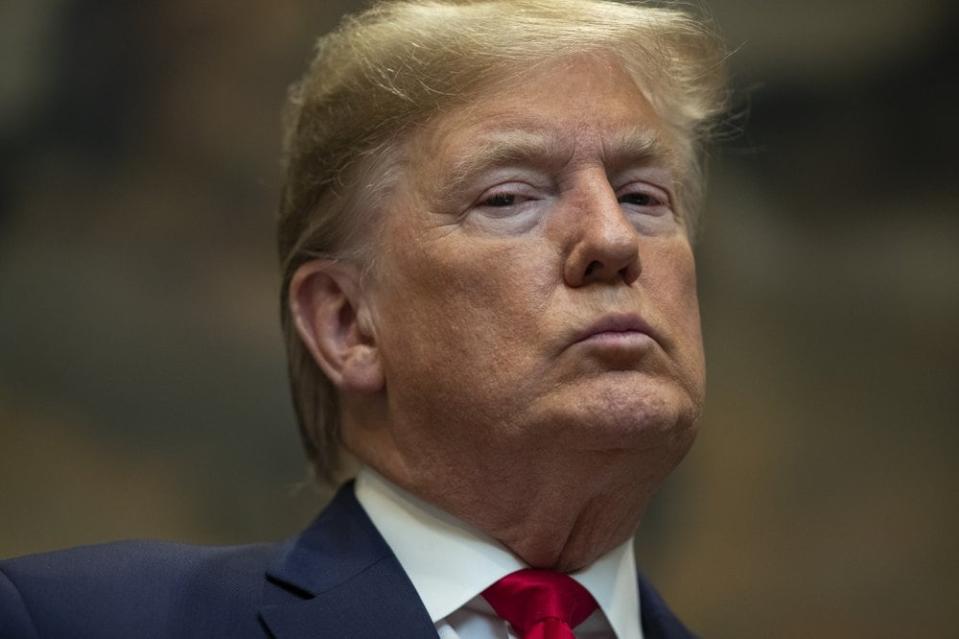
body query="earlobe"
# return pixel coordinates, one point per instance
(332, 319)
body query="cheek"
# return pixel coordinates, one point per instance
(463, 300)
(672, 281)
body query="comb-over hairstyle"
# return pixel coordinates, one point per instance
(386, 71)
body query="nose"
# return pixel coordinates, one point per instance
(605, 245)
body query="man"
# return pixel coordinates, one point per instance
(490, 304)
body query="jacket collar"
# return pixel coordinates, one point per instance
(657, 619)
(339, 578)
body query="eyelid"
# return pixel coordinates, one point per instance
(510, 187)
(648, 188)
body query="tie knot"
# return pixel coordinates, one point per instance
(528, 598)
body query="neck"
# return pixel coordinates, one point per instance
(561, 520)
(555, 516)
(555, 508)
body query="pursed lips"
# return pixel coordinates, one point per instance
(615, 325)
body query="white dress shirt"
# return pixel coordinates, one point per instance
(450, 563)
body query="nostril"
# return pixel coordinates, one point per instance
(592, 267)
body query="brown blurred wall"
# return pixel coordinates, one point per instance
(142, 383)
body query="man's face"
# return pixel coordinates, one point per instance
(535, 292)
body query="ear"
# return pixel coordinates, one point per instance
(334, 322)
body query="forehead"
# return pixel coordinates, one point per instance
(586, 106)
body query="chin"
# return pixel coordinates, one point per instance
(606, 416)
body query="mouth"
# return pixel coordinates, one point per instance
(616, 329)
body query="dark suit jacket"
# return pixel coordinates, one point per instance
(338, 579)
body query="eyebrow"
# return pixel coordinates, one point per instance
(639, 145)
(506, 147)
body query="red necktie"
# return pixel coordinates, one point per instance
(540, 604)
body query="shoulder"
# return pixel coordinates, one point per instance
(135, 588)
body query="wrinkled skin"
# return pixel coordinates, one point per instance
(523, 218)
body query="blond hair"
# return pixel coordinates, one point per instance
(385, 71)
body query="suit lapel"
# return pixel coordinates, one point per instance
(340, 579)
(656, 618)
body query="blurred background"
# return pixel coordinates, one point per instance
(142, 380)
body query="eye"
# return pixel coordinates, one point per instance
(641, 199)
(645, 198)
(507, 197)
(513, 206)
(497, 200)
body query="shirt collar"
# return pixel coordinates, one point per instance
(450, 562)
